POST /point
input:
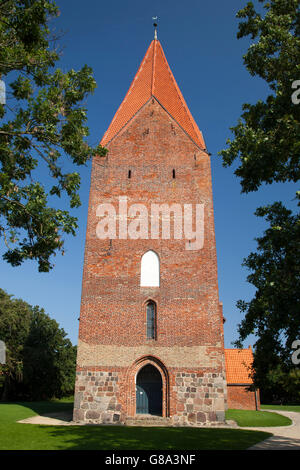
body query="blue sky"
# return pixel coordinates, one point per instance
(199, 40)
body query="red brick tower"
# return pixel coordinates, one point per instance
(151, 324)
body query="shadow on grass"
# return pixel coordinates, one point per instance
(63, 409)
(17, 436)
(143, 438)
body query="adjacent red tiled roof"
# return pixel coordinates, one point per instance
(154, 79)
(238, 363)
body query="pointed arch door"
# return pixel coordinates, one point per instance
(149, 391)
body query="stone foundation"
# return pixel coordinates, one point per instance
(200, 398)
(95, 398)
(193, 399)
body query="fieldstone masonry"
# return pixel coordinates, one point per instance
(95, 399)
(198, 396)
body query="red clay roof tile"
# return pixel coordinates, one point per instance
(238, 363)
(154, 79)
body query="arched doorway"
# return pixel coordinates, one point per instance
(149, 391)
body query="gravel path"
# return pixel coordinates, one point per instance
(284, 437)
(53, 419)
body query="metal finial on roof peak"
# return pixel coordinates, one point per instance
(155, 26)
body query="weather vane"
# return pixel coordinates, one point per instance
(155, 26)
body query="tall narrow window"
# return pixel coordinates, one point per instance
(151, 320)
(150, 269)
(174, 175)
(129, 173)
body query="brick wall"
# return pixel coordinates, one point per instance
(242, 397)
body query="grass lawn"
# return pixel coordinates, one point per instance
(281, 407)
(249, 418)
(17, 436)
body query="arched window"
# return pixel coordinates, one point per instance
(151, 319)
(150, 270)
(149, 391)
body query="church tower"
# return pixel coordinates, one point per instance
(151, 324)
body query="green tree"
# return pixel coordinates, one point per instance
(15, 315)
(285, 382)
(275, 273)
(266, 148)
(43, 124)
(40, 360)
(266, 140)
(49, 359)
(273, 314)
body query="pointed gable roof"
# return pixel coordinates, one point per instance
(154, 79)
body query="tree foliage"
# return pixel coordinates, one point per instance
(275, 273)
(266, 146)
(40, 360)
(266, 140)
(42, 123)
(273, 314)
